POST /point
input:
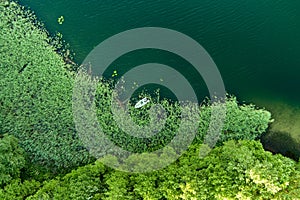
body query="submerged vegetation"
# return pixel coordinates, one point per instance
(42, 156)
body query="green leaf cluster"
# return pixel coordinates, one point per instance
(19, 190)
(242, 121)
(11, 159)
(84, 183)
(237, 170)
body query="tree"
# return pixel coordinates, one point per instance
(83, 183)
(19, 190)
(241, 170)
(237, 170)
(11, 159)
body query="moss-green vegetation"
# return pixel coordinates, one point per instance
(236, 170)
(36, 93)
(11, 159)
(36, 112)
(241, 122)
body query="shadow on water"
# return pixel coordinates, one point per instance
(281, 142)
(283, 135)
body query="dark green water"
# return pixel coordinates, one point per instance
(255, 44)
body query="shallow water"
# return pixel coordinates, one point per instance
(255, 44)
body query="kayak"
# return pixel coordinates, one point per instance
(141, 102)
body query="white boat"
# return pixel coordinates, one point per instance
(141, 102)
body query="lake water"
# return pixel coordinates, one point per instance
(255, 44)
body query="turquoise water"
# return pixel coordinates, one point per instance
(255, 44)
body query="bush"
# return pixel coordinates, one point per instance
(242, 122)
(81, 184)
(18, 190)
(237, 170)
(140, 117)
(11, 159)
(241, 170)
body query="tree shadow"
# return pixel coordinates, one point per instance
(281, 142)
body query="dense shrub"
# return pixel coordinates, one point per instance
(18, 190)
(11, 159)
(242, 121)
(36, 92)
(141, 117)
(84, 183)
(242, 170)
(293, 191)
(237, 170)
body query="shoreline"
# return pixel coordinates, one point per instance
(283, 135)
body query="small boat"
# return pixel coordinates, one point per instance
(141, 102)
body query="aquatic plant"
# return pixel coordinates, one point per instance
(241, 122)
(61, 20)
(36, 93)
(115, 73)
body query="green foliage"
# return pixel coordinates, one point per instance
(18, 191)
(11, 159)
(81, 184)
(141, 117)
(237, 170)
(36, 92)
(242, 122)
(146, 186)
(243, 170)
(61, 20)
(118, 186)
(149, 161)
(293, 190)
